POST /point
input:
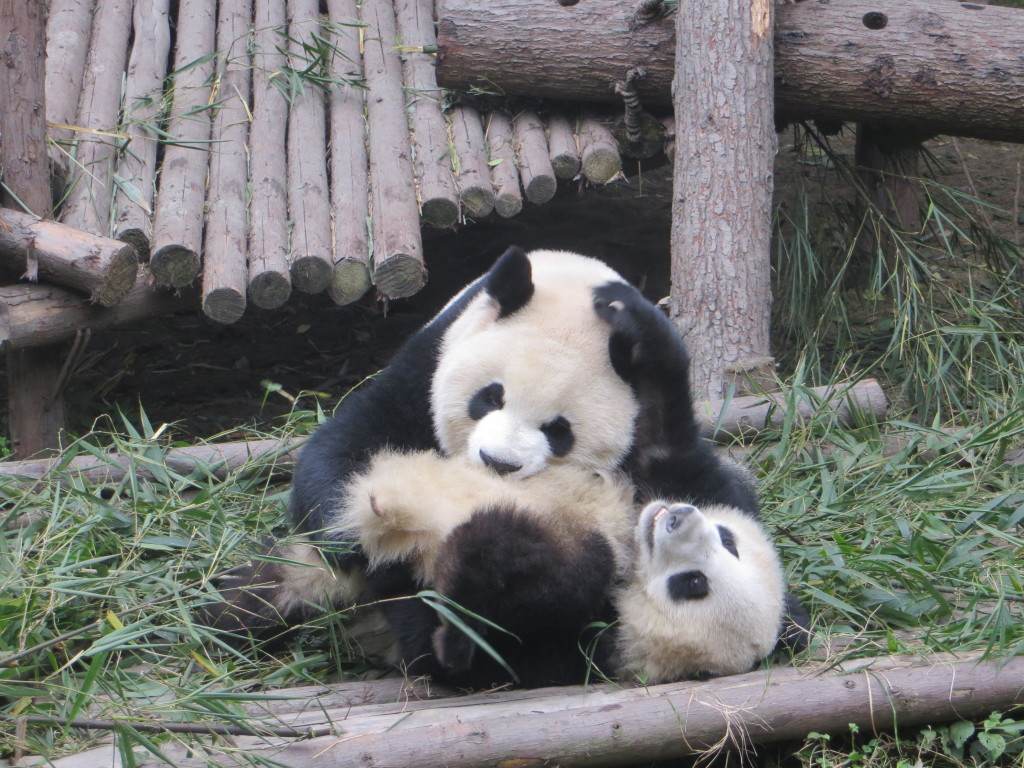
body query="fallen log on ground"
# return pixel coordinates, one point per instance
(103, 268)
(935, 67)
(608, 726)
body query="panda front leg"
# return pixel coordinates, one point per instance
(518, 573)
(669, 457)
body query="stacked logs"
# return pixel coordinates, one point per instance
(272, 149)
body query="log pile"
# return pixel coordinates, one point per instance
(307, 161)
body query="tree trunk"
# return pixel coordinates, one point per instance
(610, 726)
(722, 189)
(921, 65)
(35, 397)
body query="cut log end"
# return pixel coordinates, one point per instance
(399, 276)
(270, 290)
(508, 205)
(174, 266)
(439, 212)
(601, 165)
(121, 273)
(566, 166)
(311, 274)
(477, 201)
(349, 281)
(224, 305)
(138, 240)
(541, 189)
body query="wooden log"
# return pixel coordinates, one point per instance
(745, 417)
(103, 268)
(508, 200)
(270, 282)
(217, 460)
(35, 400)
(68, 30)
(439, 198)
(469, 156)
(88, 202)
(613, 726)
(950, 75)
(350, 206)
(34, 315)
(310, 262)
(178, 224)
(397, 267)
(599, 152)
(143, 95)
(562, 148)
(533, 158)
(224, 248)
(722, 206)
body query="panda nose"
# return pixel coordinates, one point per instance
(678, 513)
(501, 467)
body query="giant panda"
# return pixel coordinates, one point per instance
(550, 360)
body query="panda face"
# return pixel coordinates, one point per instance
(523, 391)
(706, 596)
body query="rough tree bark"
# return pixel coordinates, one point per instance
(722, 189)
(35, 399)
(940, 67)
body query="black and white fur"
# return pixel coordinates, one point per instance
(705, 598)
(549, 360)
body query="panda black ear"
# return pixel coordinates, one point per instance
(510, 281)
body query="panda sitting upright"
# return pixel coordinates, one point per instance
(549, 363)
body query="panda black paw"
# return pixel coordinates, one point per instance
(643, 341)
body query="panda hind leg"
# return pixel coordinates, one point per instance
(514, 570)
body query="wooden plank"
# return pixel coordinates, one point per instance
(68, 30)
(178, 225)
(508, 200)
(533, 158)
(143, 95)
(470, 152)
(225, 244)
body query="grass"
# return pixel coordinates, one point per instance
(902, 537)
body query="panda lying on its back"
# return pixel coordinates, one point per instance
(700, 592)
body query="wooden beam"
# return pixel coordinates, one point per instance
(941, 67)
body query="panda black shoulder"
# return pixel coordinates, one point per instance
(393, 408)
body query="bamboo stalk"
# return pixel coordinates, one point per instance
(270, 283)
(470, 150)
(178, 225)
(508, 201)
(68, 29)
(136, 164)
(224, 249)
(350, 206)
(88, 202)
(439, 200)
(562, 149)
(103, 268)
(308, 203)
(599, 151)
(397, 266)
(532, 157)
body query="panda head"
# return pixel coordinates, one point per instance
(524, 380)
(706, 597)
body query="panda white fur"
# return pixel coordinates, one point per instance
(549, 360)
(705, 598)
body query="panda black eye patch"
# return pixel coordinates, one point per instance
(558, 431)
(487, 399)
(687, 585)
(728, 541)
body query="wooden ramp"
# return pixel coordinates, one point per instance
(257, 147)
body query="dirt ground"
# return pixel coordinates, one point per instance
(208, 379)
